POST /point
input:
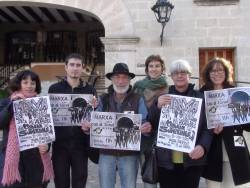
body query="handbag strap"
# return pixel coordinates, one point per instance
(154, 141)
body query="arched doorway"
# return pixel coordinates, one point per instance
(42, 34)
(117, 31)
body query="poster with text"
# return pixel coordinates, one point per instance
(179, 123)
(227, 107)
(115, 131)
(34, 122)
(71, 109)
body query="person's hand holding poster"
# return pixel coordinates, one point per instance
(227, 107)
(71, 109)
(34, 122)
(178, 123)
(118, 131)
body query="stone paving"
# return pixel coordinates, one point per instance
(93, 179)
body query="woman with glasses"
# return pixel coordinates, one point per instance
(178, 169)
(228, 165)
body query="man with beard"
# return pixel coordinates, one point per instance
(120, 98)
(69, 151)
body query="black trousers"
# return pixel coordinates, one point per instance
(29, 169)
(70, 160)
(180, 177)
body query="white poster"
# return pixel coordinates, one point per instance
(115, 131)
(227, 107)
(179, 123)
(34, 122)
(71, 109)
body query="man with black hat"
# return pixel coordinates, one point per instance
(120, 98)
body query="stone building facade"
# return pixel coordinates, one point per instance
(196, 27)
(132, 33)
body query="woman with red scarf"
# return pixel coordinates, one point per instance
(21, 169)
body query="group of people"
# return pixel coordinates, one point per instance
(214, 157)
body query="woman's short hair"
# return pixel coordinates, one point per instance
(180, 65)
(154, 58)
(209, 66)
(15, 83)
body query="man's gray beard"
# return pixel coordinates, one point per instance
(120, 90)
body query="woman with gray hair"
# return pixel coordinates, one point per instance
(178, 169)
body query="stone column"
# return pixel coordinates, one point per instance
(119, 49)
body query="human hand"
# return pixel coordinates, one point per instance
(43, 148)
(218, 129)
(94, 102)
(86, 126)
(146, 127)
(197, 152)
(163, 100)
(17, 96)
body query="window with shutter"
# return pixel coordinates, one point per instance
(216, 2)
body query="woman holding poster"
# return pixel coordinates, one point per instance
(178, 169)
(228, 163)
(29, 168)
(153, 85)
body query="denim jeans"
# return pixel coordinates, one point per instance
(127, 167)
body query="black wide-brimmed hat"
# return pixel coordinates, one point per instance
(120, 68)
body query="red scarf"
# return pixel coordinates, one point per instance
(11, 172)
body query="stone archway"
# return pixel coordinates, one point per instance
(114, 15)
(120, 41)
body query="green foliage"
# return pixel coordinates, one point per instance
(3, 93)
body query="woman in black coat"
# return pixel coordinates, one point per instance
(178, 169)
(228, 164)
(30, 168)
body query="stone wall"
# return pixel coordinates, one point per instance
(191, 27)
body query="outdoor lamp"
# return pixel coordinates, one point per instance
(162, 10)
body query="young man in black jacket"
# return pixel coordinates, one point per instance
(69, 151)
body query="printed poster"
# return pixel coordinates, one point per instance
(179, 123)
(34, 122)
(71, 109)
(227, 107)
(115, 131)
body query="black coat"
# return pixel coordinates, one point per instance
(239, 158)
(71, 136)
(30, 162)
(204, 136)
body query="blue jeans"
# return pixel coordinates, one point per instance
(127, 167)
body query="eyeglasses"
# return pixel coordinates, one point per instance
(219, 71)
(181, 73)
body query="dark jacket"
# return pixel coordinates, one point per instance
(30, 163)
(239, 158)
(71, 136)
(204, 136)
(130, 103)
(6, 114)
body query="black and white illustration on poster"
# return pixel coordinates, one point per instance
(178, 123)
(71, 109)
(115, 131)
(227, 107)
(34, 122)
